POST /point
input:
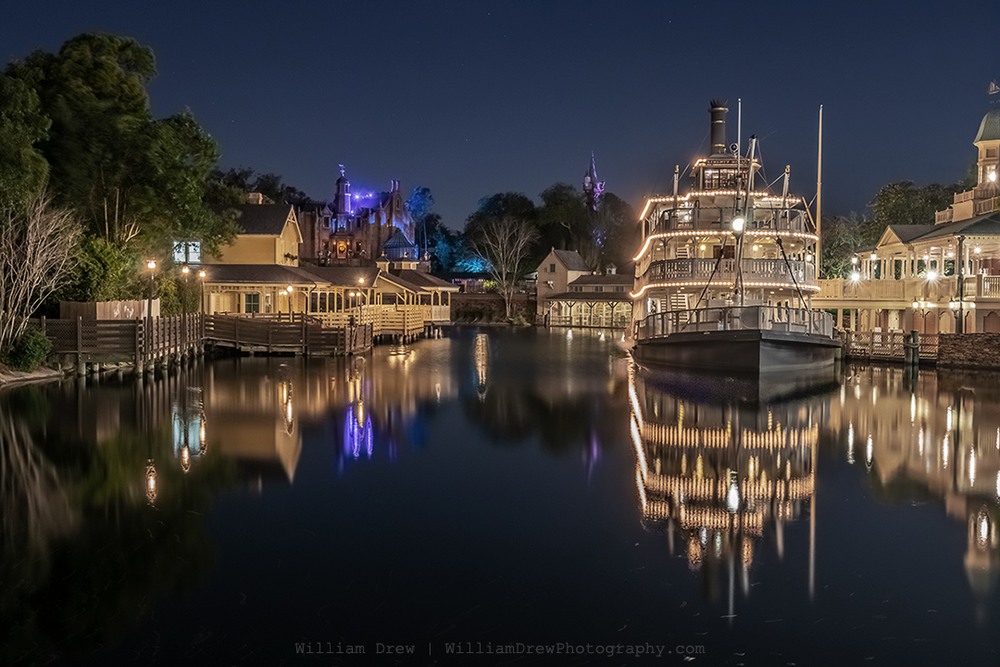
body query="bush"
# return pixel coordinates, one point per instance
(28, 352)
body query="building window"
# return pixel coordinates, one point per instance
(251, 303)
(187, 252)
(599, 288)
(552, 267)
(322, 302)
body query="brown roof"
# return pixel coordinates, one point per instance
(346, 276)
(613, 279)
(590, 296)
(263, 218)
(571, 260)
(256, 273)
(424, 279)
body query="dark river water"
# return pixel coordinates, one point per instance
(499, 497)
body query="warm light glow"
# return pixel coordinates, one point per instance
(992, 176)
(738, 224)
(361, 280)
(202, 274)
(755, 247)
(185, 269)
(289, 289)
(701, 247)
(977, 250)
(932, 275)
(809, 257)
(854, 260)
(873, 257)
(915, 305)
(855, 276)
(151, 264)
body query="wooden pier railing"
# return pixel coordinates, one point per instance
(147, 342)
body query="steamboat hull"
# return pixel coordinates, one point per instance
(755, 352)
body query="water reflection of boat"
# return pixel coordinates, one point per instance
(714, 475)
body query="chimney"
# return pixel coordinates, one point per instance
(718, 128)
(255, 198)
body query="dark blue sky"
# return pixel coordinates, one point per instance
(471, 98)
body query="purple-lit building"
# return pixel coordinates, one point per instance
(353, 228)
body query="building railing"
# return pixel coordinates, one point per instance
(907, 290)
(754, 270)
(735, 318)
(714, 218)
(943, 216)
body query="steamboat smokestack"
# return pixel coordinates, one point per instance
(718, 134)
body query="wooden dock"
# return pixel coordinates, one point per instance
(164, 341)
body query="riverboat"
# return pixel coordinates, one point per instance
(726, 271)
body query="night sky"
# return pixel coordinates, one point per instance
(472, 98)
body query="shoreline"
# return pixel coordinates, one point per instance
(10, 378)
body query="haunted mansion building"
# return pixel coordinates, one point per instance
(356, 228)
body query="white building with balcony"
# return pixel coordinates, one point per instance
(940, 278)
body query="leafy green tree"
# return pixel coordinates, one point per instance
(23, 169)
(562, 218)
(615, 232)
(137, 182)
(843, 237)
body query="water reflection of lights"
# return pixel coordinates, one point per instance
(869, 452)
(358, 432)
(972, 467)
(481, 357)
(716, 474)
(850, 442)
(982, 528)
(150, 482)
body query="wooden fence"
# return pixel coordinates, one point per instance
(890, 346)
(144, 342)
(299, 336)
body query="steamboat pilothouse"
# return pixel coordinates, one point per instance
(726, 271)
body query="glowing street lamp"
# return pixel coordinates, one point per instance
(855, 276)
(932, 275)
(738, 224)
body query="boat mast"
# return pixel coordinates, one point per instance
(745, 213)
(819, 196)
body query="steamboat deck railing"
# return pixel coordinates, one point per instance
(735, 318)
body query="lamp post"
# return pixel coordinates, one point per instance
(960, 285)
(185, 272)
(201, 290)
(738, 225)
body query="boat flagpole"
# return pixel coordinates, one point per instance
(819, 197)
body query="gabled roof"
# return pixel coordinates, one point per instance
(906, 233)
(268, 219)
(613, 279)
(571, 260)
(424, 280)
(401, 282)
(981, 225)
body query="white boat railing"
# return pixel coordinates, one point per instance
(735, 318)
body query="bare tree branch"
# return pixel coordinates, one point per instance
(505, 243)
(37, 252)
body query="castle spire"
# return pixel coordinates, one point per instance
(592, 188)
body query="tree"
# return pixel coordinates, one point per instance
(562, 218)
(37, 251)
(615, 233)
(23, 168)
(137, 182)
(902, 203)
(843, 237)
(506, 243)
